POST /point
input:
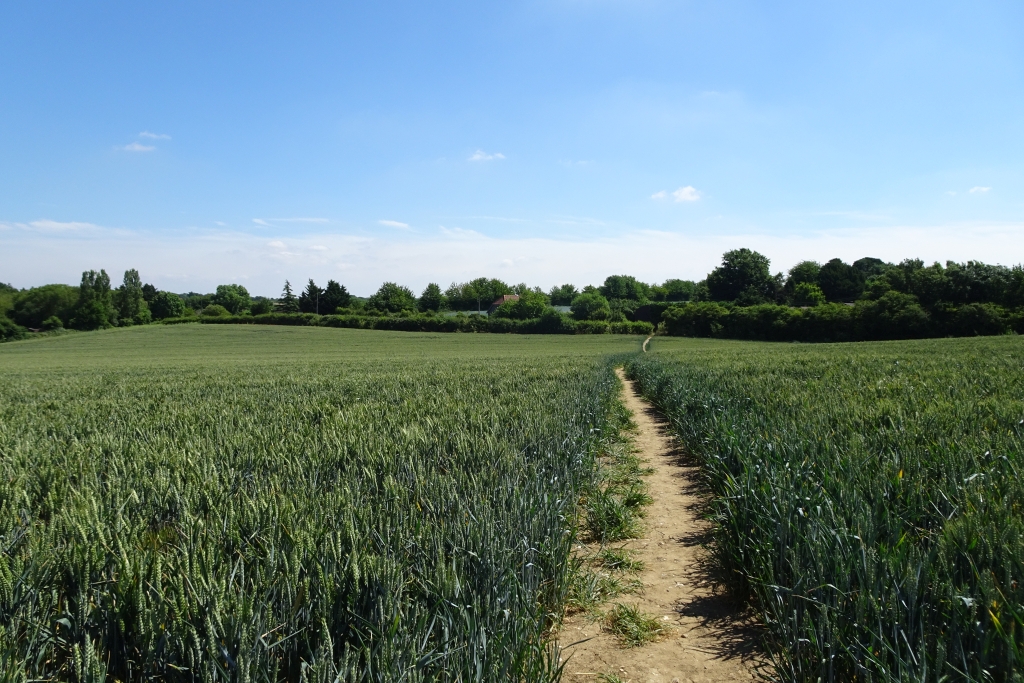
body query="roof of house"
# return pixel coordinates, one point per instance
(505, 297)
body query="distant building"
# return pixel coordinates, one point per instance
(500, 300)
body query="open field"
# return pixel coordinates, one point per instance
(259, 503)
(868, 497)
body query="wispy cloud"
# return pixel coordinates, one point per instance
(660, 194)
(136, 147)
(978, 189)
(318, 247)
(481, 155)
(394, 224)
(267, 222)
(276, 244)
(154, 136)
(686, 194)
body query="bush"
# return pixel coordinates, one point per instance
(9, 331)
(34, 306)
(167, 305)
(53, 323)
(808, 294)
(215, 311)
(591, 306)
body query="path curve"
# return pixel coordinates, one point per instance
(709, 639)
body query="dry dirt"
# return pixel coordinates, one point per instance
(708, 638)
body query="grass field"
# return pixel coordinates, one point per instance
(266, 503)
(868, 497)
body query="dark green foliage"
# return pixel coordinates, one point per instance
(288, 303)
(95, 306)
(840, 281)
(867, 498)
(32, 306)
(196, 301)
(309, 300)
(562, 295)
(591, 306)
(431, 299)
(166, 305)
(870, 267)
(743, 274)
(551, 322)
(392, 298)
(9, 331)
(235, 298)
(334, 296)
(624, 287)
(129, 301)
(261, 305)
(149, 292)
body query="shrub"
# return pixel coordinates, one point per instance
(167, 305)
(53, 323)
(807, 294)
(591, 306)
(215, 311)
(9, 331)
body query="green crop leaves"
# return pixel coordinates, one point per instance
(867, 497)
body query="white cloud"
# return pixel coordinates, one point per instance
(137, 147)
(661, 194)
(481, 155)
(979, 190)
(686, 194)
(266, 222)
(198, 259)
(394, 224)
(154, 136)
(220, 223)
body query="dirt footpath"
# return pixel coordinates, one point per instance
(707, 639)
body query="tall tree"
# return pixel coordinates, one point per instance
(129, 300)
(234, 298)
(392, 298)
(841, 281)
(288, 303)
(95, 307)
(624, 287)
(334, 296)
(562, 295)
(431, 299)
(309, 300)
(743, 273)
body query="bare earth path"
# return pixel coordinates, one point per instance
(707, 638)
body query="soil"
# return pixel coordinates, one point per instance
(708, 637)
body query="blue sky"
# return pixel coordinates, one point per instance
(545, 142)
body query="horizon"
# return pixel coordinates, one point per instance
(539, 142)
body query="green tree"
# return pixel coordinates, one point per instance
(478, 294)
(531, 304)
(261, 305)
(431, 299)
(215, 311)
(591, 306)
(334, 296)
(625, 287)
(32, 306)
(562, 295)
(673, 290)
(309, 300)
(234, 298)
(167, 305)
(289, 303)
(95, 307)
(149, 292)
(808, 294)
(870, 267)
(743, 273)
(841, 281)
(131, 305)
(392, 298)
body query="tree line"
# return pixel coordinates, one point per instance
(866, 299)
